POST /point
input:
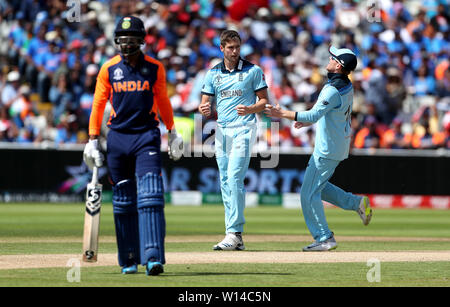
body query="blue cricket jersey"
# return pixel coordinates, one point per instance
(232, 89)
(332, 112)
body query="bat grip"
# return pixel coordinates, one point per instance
(94, 175)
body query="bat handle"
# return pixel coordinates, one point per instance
(94, 175)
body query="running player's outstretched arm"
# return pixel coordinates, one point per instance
(311, 116)
(328, 100)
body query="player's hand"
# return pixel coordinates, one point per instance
(205, 108)
(92, 155)
(242, 110)
(273, 111)
(176, 145)
(299, 125)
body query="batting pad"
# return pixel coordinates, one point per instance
(152, 223)
(126, 222)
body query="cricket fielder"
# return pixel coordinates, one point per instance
(332, 113)
(135, 85)
(240, 91)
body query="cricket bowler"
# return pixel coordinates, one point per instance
(240, 90)
(135, 85)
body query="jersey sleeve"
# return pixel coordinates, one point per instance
(208, 88)
(101, 96)
(162, 99)
(329, 99)
(259, 80)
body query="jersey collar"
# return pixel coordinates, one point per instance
(338, 80)
(238, 67)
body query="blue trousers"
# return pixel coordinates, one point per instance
(134, 163)
(233, 147)
(315, 188)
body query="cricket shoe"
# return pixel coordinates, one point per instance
(327, 245)
(364, 210)
(132, 269)
(230, 243)
(154, 268)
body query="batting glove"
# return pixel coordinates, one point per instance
(92, 155)
(176, 145)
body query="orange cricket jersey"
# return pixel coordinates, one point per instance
(136, 95)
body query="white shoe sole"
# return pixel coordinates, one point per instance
(366, 213)
(236, 248)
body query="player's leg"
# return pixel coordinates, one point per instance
(241, 140)
(340, 198)
(220, 145)
(348, 201)
(121, 169)
(126, 224)
(317, 174)
(150, 202)
(239, 159)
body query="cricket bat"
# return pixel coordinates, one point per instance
(92, 218)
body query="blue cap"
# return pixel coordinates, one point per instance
(345, 57)
(130, 25)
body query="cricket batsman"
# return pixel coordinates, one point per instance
(135, 85)
(332, 113)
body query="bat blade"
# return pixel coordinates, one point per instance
(92, 222)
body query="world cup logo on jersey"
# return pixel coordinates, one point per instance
(118, 74)
(218, 79)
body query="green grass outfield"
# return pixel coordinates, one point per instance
(36, 229)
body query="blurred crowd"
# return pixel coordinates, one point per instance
(51, 53)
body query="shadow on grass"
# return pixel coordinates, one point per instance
(222, 274)
(174, 274)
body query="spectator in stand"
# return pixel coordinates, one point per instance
(442, 74)
(441, 21)
(74, 53)
(16, 38)
(370, 135)
(11, 90)
(446, 124)
(395, 92)
(5, 124)
(87, 97)
(376, 93)
(61, 97)
(37, 47)
(424, 83)
(21, 108)
(284, 92)
(427, 140)
(394, 138)
(321, 21)
(67, 129)
(47, 64)
(425, 116)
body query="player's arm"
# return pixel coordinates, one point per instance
(326, 102)
(205, 105)
(101, 96)
(259, 85)
(277, 111)
(208, 92)
(162, 102)
(91, 154)
(162, 99)
(257, 107)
